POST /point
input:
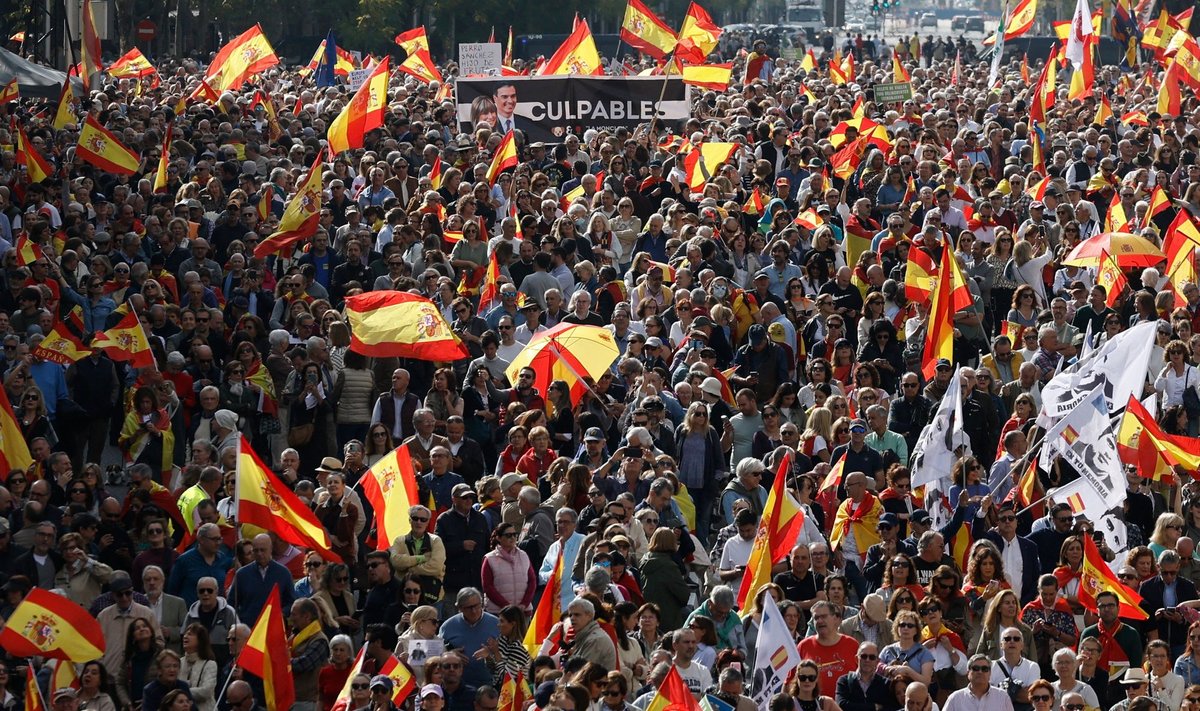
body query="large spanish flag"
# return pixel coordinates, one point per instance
(548, 610)
(267, 655)
(505, 158)
(263, 503)
(132, 65)
(14, 451)
(397, 324)
(89, 41)
(50, 625)
(100, 147)
(698, 37)
(241, 58)
(778, 530)
(64, 343)
(27, 250)
(391, 487)
(413, 39)
(576, 55)
(126, 341)
(364, 112)
(420, 64)
(646, 32)
(403, 681)
(302, 215)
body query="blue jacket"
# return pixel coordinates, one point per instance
(190, 567)
(252, 585)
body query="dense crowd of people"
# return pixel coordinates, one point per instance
(747, 341)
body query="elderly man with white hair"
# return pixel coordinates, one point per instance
(591, 641)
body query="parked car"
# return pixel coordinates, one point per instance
(929, 19)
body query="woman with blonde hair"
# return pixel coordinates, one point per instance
(1003, 612)
(907, 658)
(1168, 529)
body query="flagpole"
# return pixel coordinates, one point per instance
(225, 687)
(661, 94)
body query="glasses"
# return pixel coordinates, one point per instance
(612, 694)
(868, 657)
(419, 519)
(313, 564)
(151, 531)
(412, 591)
(124, 593)
(806, 678)
(1041, 697)
(206, 591)
(1004, 519)
(1010, 638)
(1080, 707)
(981, 669)
(906, 625)
(898, 563)
(356, 687)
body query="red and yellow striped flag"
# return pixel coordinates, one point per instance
(133, 65)
(698, 36)
(64, 113)
(576, 55)
(14, 452)
(64, 343)
(548, 611)
(1096, 577)
(33, 693)
(100, 147)
(50, 625)
(28, 251)
(403, 681)
(391, 487)
(398, 324)
(267, 654)
(10, 92)
(413, 40)
(342, 703)
(778, 530)
(645, 31)
(264, 504)
(514, 692)
(302, 215)
(505, 158)
(126, 342)
(241, 58)
(364, 112)
(420, 64)
(164, 161)
(89, 41)
(939, 342)
(708, 76)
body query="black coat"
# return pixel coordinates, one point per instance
(876, 697)
(1173, 633)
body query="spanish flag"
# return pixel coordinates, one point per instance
(708, 76)
(391, 487)
(64, 676)
(64, 113)
(754, 205)
(133, 65)
(205, 93)
(89, 41)
(778, 530)
(421, 66)
(63, 344)
(1142, 442)
(267, 655)
(164, 161)
(264, 504)
(10, 92)
(126, 342)
(50, 625)
(673, 694)
(397, 324)
(342, 703)
(403, 681)
(899, 73)
(702, 161)
(698, 37)
(548, 610)
(98, 146)
(505, 158)
(413, 40)
(846, 160)
(435, 174)
(939, 338)
(809, 63)
(301, 217)
(1104, 111)
(342, 66)
(1111, 277)
(489, 291)
(1169, 93)
(576, 55)
(1096, 577)
(514, 692)
(364, 113)
(241, 58)
(646, 32)
(14, 452)
(28, 251)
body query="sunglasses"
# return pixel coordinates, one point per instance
(806, 677)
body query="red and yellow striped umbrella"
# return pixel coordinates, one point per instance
(568, 352)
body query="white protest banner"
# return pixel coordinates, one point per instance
(356, 77)
(776, 656)
(1119, 366)
(935, 451)
(478, 59)
(1084, 439)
